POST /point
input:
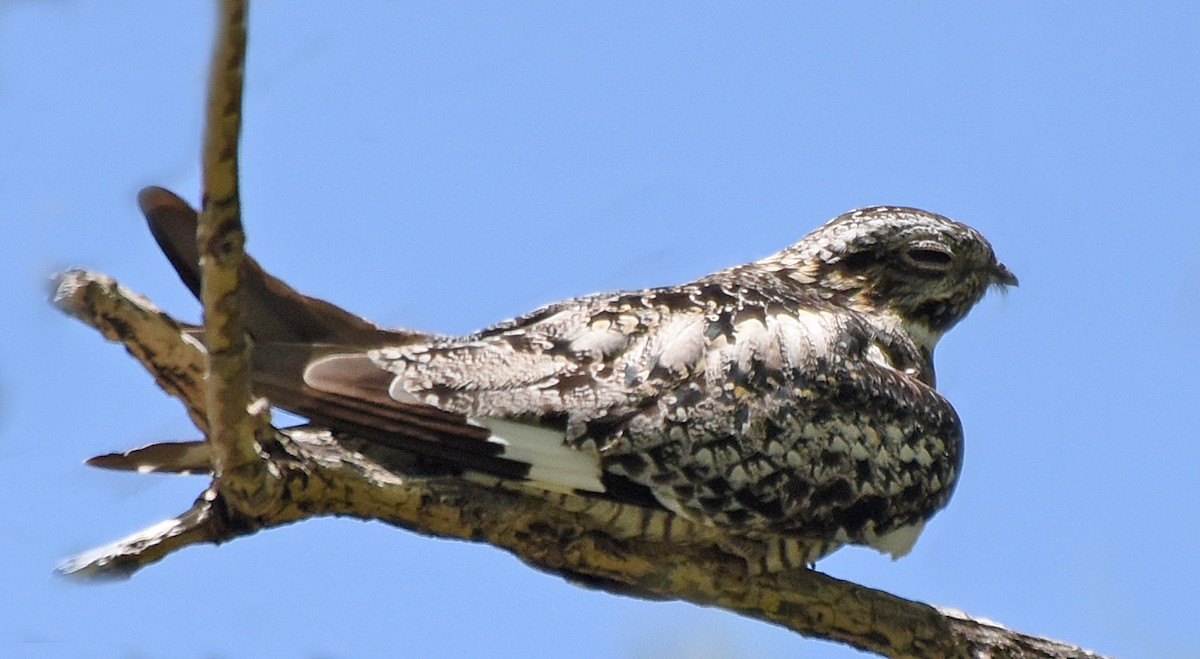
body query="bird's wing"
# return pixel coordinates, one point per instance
(744, 409)
(518, 391)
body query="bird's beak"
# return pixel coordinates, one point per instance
(1003, 276)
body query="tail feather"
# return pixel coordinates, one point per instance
(274, 311)
(192, 457)
(292, 331)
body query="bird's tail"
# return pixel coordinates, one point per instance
(273, 311)
(288, 331)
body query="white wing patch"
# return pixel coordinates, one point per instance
(554, 465)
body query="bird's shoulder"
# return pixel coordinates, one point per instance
(743, 327)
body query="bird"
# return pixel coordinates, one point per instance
(789, 402)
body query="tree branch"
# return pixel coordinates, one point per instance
(240, 475)
(174, 357)
(572, 536)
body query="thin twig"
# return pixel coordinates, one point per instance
(120, 559)
(240, 471)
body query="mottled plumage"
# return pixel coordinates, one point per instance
(792, 397)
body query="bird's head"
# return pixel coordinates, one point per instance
(924, 269)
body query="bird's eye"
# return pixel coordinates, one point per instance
(928, 257)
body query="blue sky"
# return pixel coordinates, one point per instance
(447, 165)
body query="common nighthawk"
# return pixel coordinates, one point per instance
(792, 397)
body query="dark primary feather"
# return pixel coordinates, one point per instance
(792, 396)
(278, 312)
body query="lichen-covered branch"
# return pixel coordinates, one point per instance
(122, 558)
(174, 357)
(319, 475)
(233, 430)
